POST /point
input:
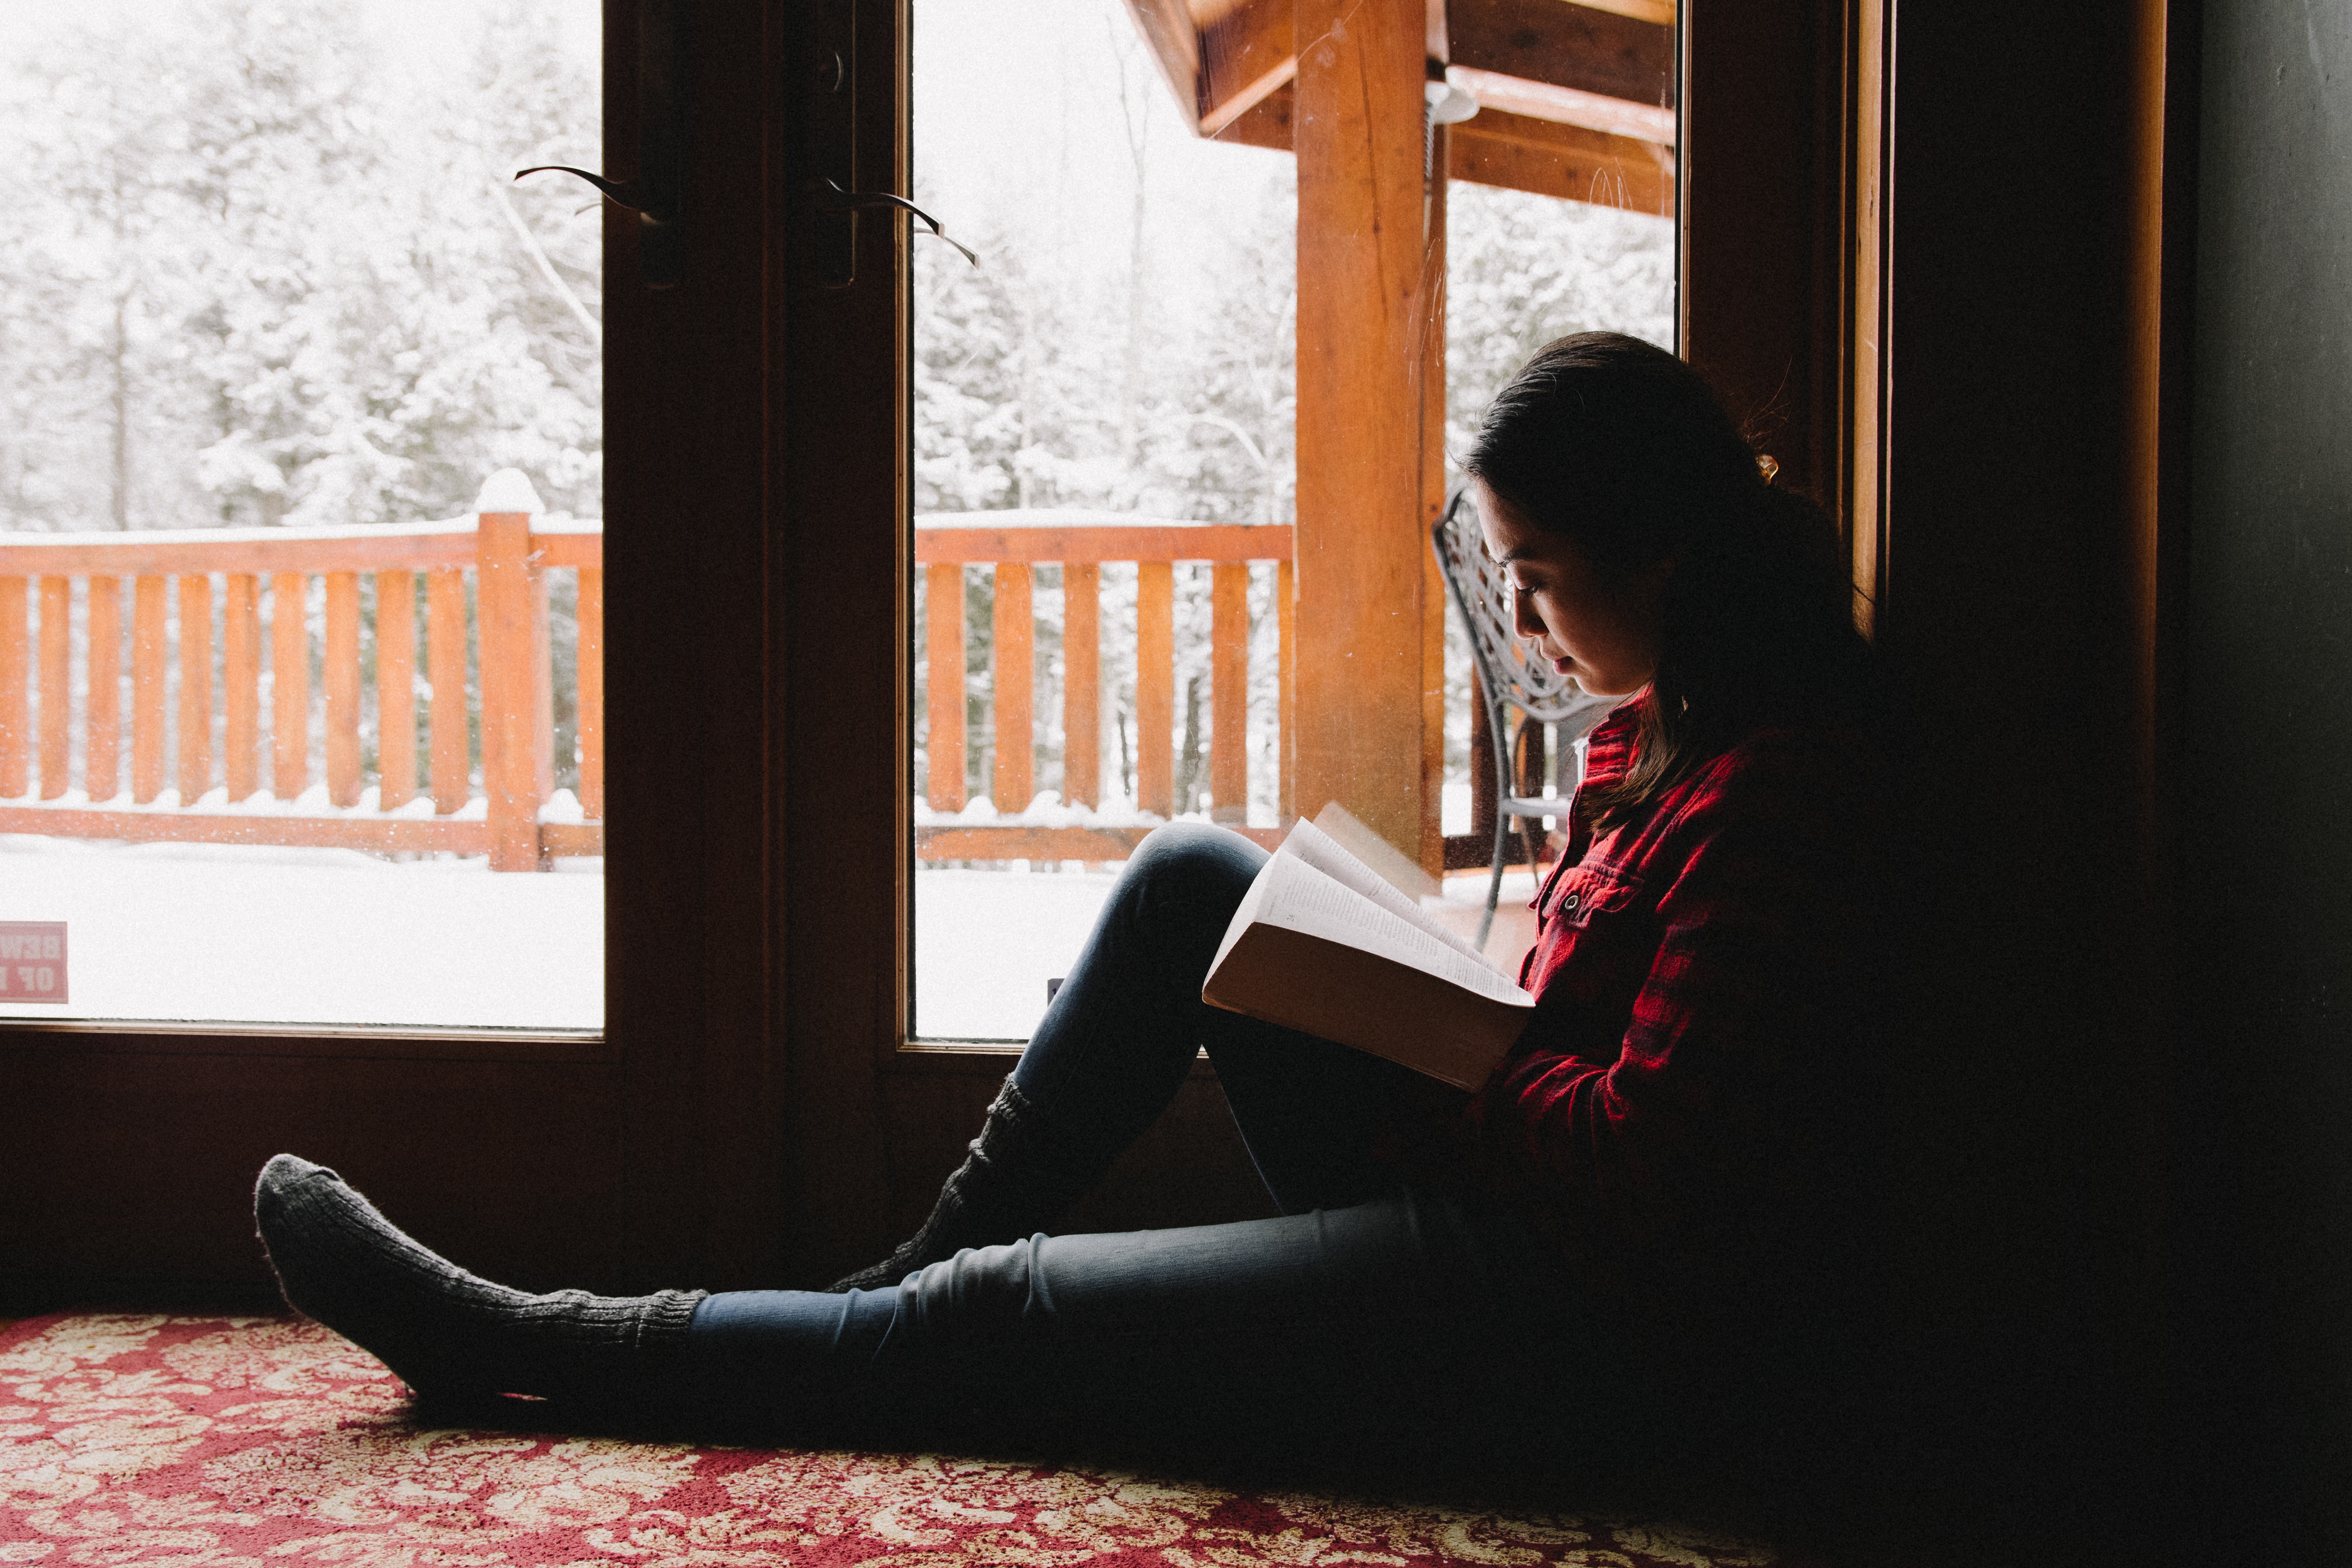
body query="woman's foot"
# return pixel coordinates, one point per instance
(450, 1335)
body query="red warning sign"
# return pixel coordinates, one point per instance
(32, 961)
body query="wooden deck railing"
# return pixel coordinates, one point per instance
(172, 582)
(942, 551)
(67, 600)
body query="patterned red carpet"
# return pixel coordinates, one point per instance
(227, 1442)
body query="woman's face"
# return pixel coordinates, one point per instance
(1603, 629)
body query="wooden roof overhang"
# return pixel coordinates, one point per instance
(1576, 97)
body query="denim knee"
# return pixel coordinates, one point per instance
(1188, 864)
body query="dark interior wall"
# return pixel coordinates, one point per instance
(2025, 1090)
(2265, 1091)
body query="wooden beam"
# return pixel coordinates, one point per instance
(952, 842)
(1175, 44)
(1229, 692)
(1571, 162)
(1564, 105)
(943, 694)
(1267, 123)
(101, 755)
(1225, 64)
(395, 689)
(340, 668)
(1431, 852)
(56, 684)
(1244, 56)
(1013, 685)
(1361, 315)
(1082, 684)
(1661, 12)
(1155, 686)
(16, 743)
(1865, 389)
(375, 833)
(195, 736)
(1286, 614)
(1172, 542)
(150, 639)
(1516, 151)
(1577, 47)
(451, 753)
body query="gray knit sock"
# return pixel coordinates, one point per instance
(1020, 1176)
(450, 1335)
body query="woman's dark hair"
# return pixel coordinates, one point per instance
(1625, 450)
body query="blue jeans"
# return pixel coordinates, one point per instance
(1364, 1292)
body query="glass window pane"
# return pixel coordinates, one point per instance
(301, 501)
(1106, 415)
(1113, 380)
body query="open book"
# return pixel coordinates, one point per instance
(1323, 944)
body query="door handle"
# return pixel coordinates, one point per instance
(653, 192)
(827, 196)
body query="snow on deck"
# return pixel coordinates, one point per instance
(987, 941)
(250, 933)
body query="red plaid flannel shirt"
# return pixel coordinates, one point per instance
(1697, 983)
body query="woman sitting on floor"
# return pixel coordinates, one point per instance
(1635, 1218)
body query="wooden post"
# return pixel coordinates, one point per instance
(1431, 849)
(57, 685)
(395, 688)
(15, 777)
(289, 687)
(150, 640)
(1229, 691)
(588, 681)
(1358, 130)
(543, 688)
(1285, 613)
(1081, 683)
(1155, 685)
(943, 695)
(445, 634)
(505, 620)
(101, 752)
(340, 667)
(240, 681)
(195, 686)
(1484, 801)
(1014, 626)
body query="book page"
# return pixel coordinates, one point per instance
(1380, 858)
(1253, 902)
(1327, 855)
(1298, 895)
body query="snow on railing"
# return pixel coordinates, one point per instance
(184, 582)
(947, 826)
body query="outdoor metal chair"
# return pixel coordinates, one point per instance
(1511, 682)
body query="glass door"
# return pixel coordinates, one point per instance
(301, 489)
(1103, 486)
(1178, 436)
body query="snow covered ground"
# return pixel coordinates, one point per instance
(253, 934)
(987, 941)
